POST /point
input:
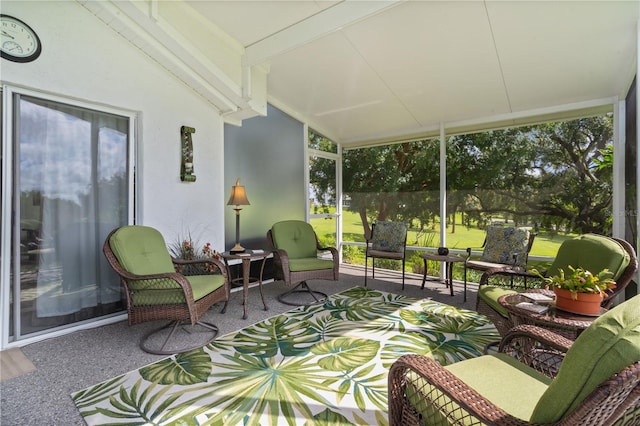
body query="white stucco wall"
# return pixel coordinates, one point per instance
(82, 58)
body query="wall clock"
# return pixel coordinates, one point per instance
(18, 42)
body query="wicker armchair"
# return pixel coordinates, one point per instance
(155, 291)
(298, 258)
(537, 377)
(590, 251)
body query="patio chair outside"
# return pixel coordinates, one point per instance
(592, 252)
(537, 377)
(298, 258)
(388, 241)
(503, 247)
(155, 291)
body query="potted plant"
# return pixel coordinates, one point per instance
(578, 290)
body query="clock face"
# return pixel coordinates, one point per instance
(18, 42)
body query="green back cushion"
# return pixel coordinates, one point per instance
(141, 250)
(503, 242)
(609, 345)
(389, 236)
(295, 237)
(593, 253)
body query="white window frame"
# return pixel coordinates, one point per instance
(7, 200)
(337, 157)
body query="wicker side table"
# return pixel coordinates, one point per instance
(565, 323)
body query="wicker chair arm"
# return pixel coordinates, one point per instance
(475, 408)
(504, 271)
(208, 261)
(284, 257)
(543, 336)
(333, 250)
(165, 275)
(179, 279)
(537, 347)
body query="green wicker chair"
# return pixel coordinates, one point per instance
(155, 291)
(538, 377)
(589, 251)
(299, 257)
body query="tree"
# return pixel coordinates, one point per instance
(575, 178)
(555, 174)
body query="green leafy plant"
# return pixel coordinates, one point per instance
(579, 280)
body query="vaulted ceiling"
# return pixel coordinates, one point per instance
(363, 72)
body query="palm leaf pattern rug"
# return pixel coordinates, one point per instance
(320, 364)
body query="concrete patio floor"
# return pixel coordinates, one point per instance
(73, 362)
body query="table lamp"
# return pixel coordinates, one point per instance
(238, 198)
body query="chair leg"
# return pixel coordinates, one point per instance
(366, 261)
(373, 268)
(403, 261)
(147, 345)
(303, 287)
(465, 282)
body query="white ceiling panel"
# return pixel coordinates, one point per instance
(252, 21)
(325, 76)
(563, 52)
(439, 60)
(363, 71)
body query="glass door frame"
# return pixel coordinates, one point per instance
(10, 213)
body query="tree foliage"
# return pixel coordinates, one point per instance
(557, 175)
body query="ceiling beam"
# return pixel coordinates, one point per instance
(143, 26)
(322, 23)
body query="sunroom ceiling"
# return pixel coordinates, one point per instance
(362, 72)
(366, 72)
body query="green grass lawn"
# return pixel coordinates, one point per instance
(544, 245)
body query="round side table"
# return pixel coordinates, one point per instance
(565, 323)
(246, 279)
(448, 261)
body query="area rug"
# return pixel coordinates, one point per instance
(319, 364)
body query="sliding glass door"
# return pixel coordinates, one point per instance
(71, 185)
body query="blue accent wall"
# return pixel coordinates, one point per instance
(267, 154)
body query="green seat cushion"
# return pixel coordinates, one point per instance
(295, 237)
(141, 250)
(201, 285)
(490, 295)
(500, 378)
(313, 264)
(609, 345)
(593, 253)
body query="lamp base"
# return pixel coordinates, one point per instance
(237, 249)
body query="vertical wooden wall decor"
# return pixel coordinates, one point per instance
(186, 168)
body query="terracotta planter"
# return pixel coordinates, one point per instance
(586, 304)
